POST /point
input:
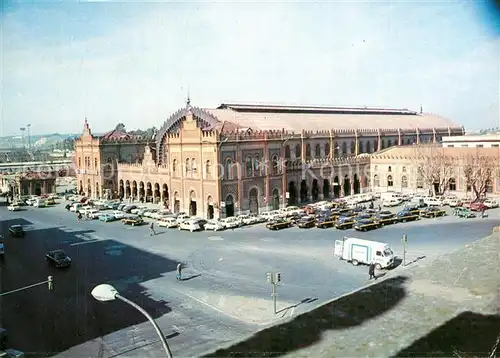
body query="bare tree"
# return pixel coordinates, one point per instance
(478, 172)
(434, 168)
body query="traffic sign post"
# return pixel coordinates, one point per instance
(404, 239)
(274, 278)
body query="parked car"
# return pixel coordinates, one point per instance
(325, 221)
(278, 224)
(386, 218)
(181, 218)
(133, 220)
(306, 222)
(214, 225)
(478, 206)
(136, 210)
(491, 203)
(407, 215)
(58, 258)
(391, 202)
(231, 222)
(190, 225)
(463, 213)
(345, 222)
(432, 212)
(366, 224)
(118, 214)
(14, 207)
(168, 222)
(454, 202)
(107, 218)
(16, 231)
(252, 219)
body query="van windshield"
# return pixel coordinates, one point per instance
(388, 252)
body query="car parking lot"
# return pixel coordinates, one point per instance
(224, 296)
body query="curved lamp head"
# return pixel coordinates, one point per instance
(104, 292)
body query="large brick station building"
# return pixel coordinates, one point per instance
(242, 158)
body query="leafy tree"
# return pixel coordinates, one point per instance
(120, 127)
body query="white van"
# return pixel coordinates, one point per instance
(432, 201)
(360, 251)
(491, 203)
(168, 222)
(40, 203)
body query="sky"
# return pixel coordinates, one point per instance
(136, 63)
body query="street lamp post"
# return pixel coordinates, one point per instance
(106, 292)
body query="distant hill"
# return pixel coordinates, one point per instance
(36, 140)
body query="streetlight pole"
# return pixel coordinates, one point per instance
(106, 292)
(28, 126)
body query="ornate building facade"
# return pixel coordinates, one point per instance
(248, 158)
(434, 168)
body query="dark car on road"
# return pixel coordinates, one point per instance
(16, 230)
(133, 220)
(478, 206)
(344, 223)
(58, 258)
(366, 224)
(386, 218)
(306, 222)
(278, 224)
(325, 221)
(407, 215)
(432, 212)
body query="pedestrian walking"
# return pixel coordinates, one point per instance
(152, 229)
(371, 270)
(179, 272)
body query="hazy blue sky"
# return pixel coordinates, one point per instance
(135, 63)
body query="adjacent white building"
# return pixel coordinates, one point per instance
(477, 141)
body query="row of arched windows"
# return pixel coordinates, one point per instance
(191, 168)
(253, 167)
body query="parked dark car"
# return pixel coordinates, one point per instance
(306, 222)
(432, 212)
(366, 224)
(344, 223)
(478, 206)
(16, 230)
(386, 218)
(406, 215)
(325, 221)
(58, 258)
(278, 224)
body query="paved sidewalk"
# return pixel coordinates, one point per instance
(451, 305)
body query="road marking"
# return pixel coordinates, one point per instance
(220, 259)
(215, 238)
(84, 242)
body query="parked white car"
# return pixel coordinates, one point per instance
(392, 202)
(181, 218)
(118, 214)
(251, 219)
(453, 202)
(14, 207)
(432, 201)
(191, 225)
(214, 225)
(231, 222)
(168, 222)
(491, 203)
(291, 210)
(136, 210)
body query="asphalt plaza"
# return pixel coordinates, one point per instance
(224, 295)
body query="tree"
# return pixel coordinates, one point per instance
(120, 127)
(478, 172)
(434, 168)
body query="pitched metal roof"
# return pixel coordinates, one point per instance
(116, 135)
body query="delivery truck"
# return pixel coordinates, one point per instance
(360, 251)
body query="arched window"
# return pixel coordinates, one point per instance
(327, 150)
(256, 166)
(404, 181)
(194, 168)
(368, 149)
(317, 151)
(452, 185)
(353, 147)
(188, 167)
(287, 152)
(298, 153)
(360, 147)
(344, 148)
(79, 162)
(389, 181)
(308, 151)
(489, 186)
(228, 169)
(383, 144)
(376, 180)
(420, 182)
(208, 168)
(404, 169)
(375, 145)
(109, 160)
(95, 163)
(375, 168)
(335, 149)
(389, 169)
(275, 164)
(174, 167)
(389, 143)
(249, 166)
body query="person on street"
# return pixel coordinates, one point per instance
(79, 216)
(152, 229)
(179, 272)
(371, 270)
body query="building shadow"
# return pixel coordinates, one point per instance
(304, 301)
(42, 322)
(188, 278)
(467, 335)
(308, 328)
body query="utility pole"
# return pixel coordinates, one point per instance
(28, 126)
(22, 136)
(404, 239)
(49, 282)
(274, 278)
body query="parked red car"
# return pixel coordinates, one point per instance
(478, 206)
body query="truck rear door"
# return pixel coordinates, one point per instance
(338, 248)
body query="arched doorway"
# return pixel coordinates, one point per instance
(121, 189)
(97, 192)
(134, 190)
(156, 193)
(336, 187)
(38, 189)
(347, 186)
(303, 191)
(192, 203)
(177, 203)
(128, 191)
(165, 195)
(253, 196)
(356, 185)
(229, 206)
(80, 191)
(210, 207)
(326, 188)
(292, 193)
(89, 188)
(149, 192)
(315, 190)
(276, 199)
(142, 192)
